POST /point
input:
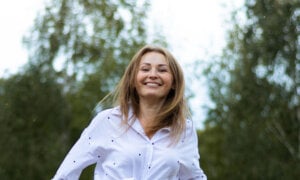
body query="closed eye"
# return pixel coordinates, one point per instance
(162, 70)
(145, 69)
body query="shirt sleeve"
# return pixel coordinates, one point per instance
(84, 152)
(189, 160)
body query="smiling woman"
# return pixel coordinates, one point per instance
(154, 78)
(149, 67)
(147, 136)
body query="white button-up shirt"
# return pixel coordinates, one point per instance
(126, 153)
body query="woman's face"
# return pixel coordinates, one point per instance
(154, 78)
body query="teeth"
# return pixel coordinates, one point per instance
(152, 84)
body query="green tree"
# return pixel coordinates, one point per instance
(34, 125)
(255, 120)
(89, 43)
(78, 51)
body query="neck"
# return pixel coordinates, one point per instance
(148, 110)
(147, 113)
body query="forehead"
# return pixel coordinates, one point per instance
(153, 58)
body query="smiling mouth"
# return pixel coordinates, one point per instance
(152, 84)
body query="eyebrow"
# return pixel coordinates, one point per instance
(158, 64)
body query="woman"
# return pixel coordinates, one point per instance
(147, 136)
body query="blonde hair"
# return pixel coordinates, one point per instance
(174, 111)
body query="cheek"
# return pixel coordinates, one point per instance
(138, 79)
(139, 75)
(170, 80)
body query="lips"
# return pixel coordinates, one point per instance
(152, 84)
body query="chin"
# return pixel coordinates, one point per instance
(151, 96)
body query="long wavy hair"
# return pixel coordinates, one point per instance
(174, 111)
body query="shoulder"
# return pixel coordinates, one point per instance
(190, 129)
(100, 118)
(115, 111)
(189, 125)
(109, 117)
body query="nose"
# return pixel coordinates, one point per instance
(153, 74)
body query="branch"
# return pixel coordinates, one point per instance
(298, 118)
(279, 133)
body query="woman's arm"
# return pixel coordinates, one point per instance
(85, 151)
(189, 161)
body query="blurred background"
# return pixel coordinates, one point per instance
(241, 60)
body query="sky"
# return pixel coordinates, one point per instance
(194, 29)
(16, 17)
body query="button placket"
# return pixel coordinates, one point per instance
(150, 157)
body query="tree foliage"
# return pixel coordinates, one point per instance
(253, 129)
(78, 51)
(34, 125)
(90, 43)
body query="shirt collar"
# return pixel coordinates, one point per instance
(136, 124)
(117, 111)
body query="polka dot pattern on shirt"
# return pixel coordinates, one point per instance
(101, 143)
